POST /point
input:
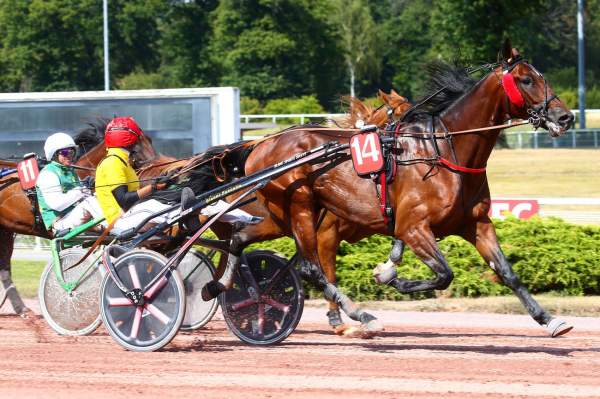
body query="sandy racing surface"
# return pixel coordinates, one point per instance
(420, 355)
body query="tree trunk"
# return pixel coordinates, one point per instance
(352, 79)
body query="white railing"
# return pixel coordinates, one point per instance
(300, 117)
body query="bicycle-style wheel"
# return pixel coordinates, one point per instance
(152, 325)
(73, 312)
(273, 314)
(196, 269)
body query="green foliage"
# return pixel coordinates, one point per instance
(548, 255)
(274, 49)
(142, 80)
(250, 106)
(304, 104)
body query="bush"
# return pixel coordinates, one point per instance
(548, 255)
(250, 106)
(302, 105)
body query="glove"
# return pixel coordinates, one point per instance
(163, 181)
(88, 182)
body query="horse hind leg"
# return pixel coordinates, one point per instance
(328, 240)
(384, 273)
(423, 244)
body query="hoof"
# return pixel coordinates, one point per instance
(385, 272)
(340, 329)
(558, 327)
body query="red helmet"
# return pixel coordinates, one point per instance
(122, 131)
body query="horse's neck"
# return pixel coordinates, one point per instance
(483, 106)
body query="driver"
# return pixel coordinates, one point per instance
(118, 188)
(63, 199)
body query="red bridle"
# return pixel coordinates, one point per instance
(511, 89)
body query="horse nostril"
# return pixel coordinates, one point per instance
(566, 120)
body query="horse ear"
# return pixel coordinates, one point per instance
(506, 50)
(382, 96)
(394, 93)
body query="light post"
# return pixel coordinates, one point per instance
(581, 63)
(106, 72)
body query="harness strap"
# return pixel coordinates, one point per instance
(453, 166)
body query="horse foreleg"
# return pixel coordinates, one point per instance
(483, 236)
(422, 242)
(7, 287)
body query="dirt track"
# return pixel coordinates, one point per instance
(419, 355)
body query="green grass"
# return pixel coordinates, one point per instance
(26, 276)
(545, 173)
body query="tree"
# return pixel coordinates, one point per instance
(276, 48)
(57, 44)
(184, 44)
(358, 38)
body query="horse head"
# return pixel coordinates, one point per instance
(397, 104)
(530, 95)
(143, 153)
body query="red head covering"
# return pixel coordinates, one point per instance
(122, 131)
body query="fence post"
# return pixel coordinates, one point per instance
(595, 138)
(38, 244)
(302, 120)
(574, 139)
(520, 141)
(535, 139)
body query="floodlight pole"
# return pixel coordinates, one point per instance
(106, 72)
(581, 63)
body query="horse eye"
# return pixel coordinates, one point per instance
(526, 80)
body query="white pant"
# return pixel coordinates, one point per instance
(236, 215)
(141, 211)
(86, 210)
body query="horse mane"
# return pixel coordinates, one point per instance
(357, 110)
(446, 82)
(92, 134)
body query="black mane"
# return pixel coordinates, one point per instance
(91, 135)
(446, 82)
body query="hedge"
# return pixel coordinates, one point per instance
(548, 255)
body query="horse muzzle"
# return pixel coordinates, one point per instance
(557, 121)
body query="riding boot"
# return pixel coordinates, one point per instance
(11, 293)
(190, 222)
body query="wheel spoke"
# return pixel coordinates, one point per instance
(261, 318)
(134, 276)
(243, 304)
(156, 312)
(119, 302)
(275, 304)
(137, 321)
(152, 291)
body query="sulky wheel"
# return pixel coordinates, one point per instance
(154, 324)
(272, 315)
(74, 310)
(196, 269)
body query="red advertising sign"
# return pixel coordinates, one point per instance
(366, 153)
(520, 208)
(28, 172)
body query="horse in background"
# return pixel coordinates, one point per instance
(440, 188)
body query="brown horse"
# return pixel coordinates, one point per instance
(432, 197)
(332, 229)
(16, 210)
(393, 107)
